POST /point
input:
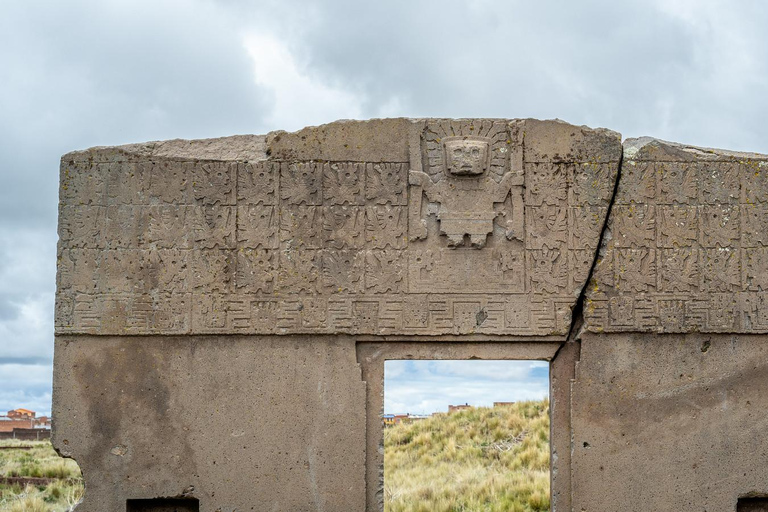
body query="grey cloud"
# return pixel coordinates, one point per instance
(429, 386)
(35, 393)
(27, 360)
(83, 73)
(695, 73)
(36, 400)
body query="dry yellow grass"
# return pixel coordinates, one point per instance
(40, 462)
(477, 460)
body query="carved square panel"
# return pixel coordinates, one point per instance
(546, 184)
(754, 219)
(590, 184)
(343, 227)
(635, 269)
(386, 183)
(343, 183)
(301, 226)
(678, 183)
(754, 179)
(678, 270)
(257, 227)
(386, 226)
(677, 226)
(719, 226)
(720, 269)
(385, 271)
(719, 183)
(301, 183)
(212, 270)
(214, 183)
(257, 183)
(256, 270)
(546, 226)
(635, 226)
(637, 184)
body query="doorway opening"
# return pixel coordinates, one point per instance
(556, 358)
(466, 435)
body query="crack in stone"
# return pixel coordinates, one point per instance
(577, 313)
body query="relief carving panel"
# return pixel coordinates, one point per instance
(688, 249)
(466, 236)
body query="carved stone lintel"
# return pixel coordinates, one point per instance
(306, 238)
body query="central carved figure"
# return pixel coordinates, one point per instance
(467, 192)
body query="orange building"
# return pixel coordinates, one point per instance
(23, 418)
(18, 414)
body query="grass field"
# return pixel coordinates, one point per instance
(59, 495)
(477, 460)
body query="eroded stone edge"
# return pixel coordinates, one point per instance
(649, 149)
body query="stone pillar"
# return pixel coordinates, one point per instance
(669, 400)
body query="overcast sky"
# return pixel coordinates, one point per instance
(424, 387)
(81, 73)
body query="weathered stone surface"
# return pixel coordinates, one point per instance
(296, 264)
(380, 227)
(276, 423)
(376, 141)
(669, 422)
(561, 374)
(686, 246)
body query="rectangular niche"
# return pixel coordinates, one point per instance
(163, 505)
(752, 505)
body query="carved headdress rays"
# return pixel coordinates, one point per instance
(495, 132)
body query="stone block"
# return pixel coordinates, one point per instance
(684, 251)
(364, 213)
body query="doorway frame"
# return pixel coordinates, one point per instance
(562, 356)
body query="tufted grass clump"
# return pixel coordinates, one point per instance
(481, 459)
(61, 494)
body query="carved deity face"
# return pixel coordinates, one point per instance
(466, 157)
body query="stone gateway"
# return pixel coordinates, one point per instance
(225, 307)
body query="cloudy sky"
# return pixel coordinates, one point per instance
(424, 387)
(82, 73)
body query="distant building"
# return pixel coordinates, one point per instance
(455, 408)
(8, 424)
(23, 419)
(502, 404)
(401, 418)
(389, 420)
(21, 414)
